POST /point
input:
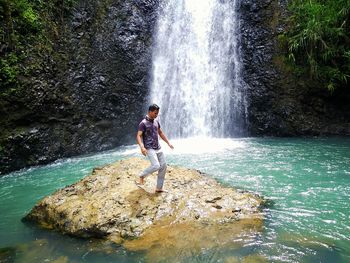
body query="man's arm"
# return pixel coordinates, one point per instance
(139, 142)
(162, 135)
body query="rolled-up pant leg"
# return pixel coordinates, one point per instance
(155, 166)
(162, 170)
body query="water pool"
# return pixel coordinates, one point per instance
(306, 180)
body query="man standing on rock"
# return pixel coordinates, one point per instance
(147, 139)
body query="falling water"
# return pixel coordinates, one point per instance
(196, 69)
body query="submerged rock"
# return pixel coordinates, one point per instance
(108, 204)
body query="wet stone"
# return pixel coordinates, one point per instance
(124, 212)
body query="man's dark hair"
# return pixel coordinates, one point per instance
(153, 107)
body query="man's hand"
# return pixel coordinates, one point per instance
(162, 135)
(143, 151)
(139, 142)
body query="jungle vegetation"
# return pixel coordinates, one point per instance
(318, 40)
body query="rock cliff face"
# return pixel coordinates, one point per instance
(195, 210)
(281, 103)
(91, 96)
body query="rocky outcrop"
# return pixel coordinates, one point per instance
(108, 204)
(90, 93)
(280, 102)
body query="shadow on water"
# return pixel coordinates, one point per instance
(268, 203)
(180, 243)
(195, 242)
(54, 247)
(312, 249)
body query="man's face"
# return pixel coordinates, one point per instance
(153, 114)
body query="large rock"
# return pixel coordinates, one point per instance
(282, 103)
(92, 89)
(108, 204)
(91, 92)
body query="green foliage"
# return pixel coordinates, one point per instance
(26, 29)
(8, 69)
(318, 40)
(27, 17)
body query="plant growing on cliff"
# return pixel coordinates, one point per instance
(318, 40)
(25, 31)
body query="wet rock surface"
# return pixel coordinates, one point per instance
(280, 102)
(92, 90)
(108, 204)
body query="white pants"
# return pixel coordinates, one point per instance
(157, 159)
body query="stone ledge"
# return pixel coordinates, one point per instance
(108, 204)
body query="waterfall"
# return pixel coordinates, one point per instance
(196, 69)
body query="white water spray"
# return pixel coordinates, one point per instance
(196, 69)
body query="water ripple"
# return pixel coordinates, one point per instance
(306, 180)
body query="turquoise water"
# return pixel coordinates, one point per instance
(307, 183)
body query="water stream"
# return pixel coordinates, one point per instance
(196, 77)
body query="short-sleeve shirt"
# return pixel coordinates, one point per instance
(149, 130)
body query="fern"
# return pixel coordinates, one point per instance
(318, 39)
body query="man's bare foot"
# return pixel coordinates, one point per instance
(140, 181)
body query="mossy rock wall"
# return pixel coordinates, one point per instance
(89, 84)
(89, 93)
(281, 102)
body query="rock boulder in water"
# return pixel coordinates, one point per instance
(108, 204)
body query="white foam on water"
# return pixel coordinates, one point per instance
(201, 144)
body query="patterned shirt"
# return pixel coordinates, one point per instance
(149, 130)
